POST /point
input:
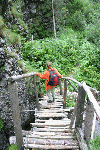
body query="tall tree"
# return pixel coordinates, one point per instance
(54, 21)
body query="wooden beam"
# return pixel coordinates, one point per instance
(80, 107)
(88, 121)
(13, 94)
(36, 93)
(73, 116)
(61, 91)
(28, 140)
(80, 137)
(65, 93)
(68, 78)
(49, 124)
(46, 129)
(36, 146)
(73, 86)
(15, 78)
(92, 99)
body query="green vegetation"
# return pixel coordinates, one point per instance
(12, 37)
(1, 124)
(69, 54)
(12, 147)
(1, 22)
(95, 143)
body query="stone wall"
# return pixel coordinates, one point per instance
(9, 66)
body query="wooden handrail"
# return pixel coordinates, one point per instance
(13, 94)
(18, 77)
(68, 78)
(92, 99)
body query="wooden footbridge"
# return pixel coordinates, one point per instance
(52, 128)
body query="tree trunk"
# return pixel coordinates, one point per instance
(54, 21)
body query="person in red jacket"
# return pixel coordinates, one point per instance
(49, 88)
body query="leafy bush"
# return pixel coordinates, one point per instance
(12, 147)
(96, 143)
(69, 54)
(78, 21)
(92, 32)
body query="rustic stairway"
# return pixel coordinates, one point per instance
(51, 128)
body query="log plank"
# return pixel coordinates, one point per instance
(50, 146)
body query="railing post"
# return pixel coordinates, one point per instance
(40, 90)
(36, 93)
(88, 121)
(80, 107)
(27, 88)
(73, 116)
(13, 94)
(61, 91)
(65, 93)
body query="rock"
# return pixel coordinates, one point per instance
(2, 41)
(3, 140)
(2, 57)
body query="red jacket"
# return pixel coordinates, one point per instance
(46, 76)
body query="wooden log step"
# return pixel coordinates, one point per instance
(60, 137)
(43, 121)
(49, 124)
(50, 111)
(66, 130)
(54, 121)
(59, 127)
(51, 142)
(51, 115)
(36, 146)
(49, 107)
(56, 109)
(52, 104)
(27, 140)
(49, 133)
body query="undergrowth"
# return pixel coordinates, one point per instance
(70, 54)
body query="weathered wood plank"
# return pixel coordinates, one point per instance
(50, 115)
(51, 137)
(48, 106)
(13, 94)
(92, 99)
(80, 107)
(65, 93)
(56, 110)
(88, 121)
(49, 134)
(66, 130)
(61, 91)
(18, 77)
(37, 100)
(73, 86)
(48, 124)
(43, 121)
(50, 146)
(73, 116)
(80, 137)
(68, 78)
(28, 140)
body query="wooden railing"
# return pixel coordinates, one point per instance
(14, 101)
(88, 106)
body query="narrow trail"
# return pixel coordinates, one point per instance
(51, 128)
